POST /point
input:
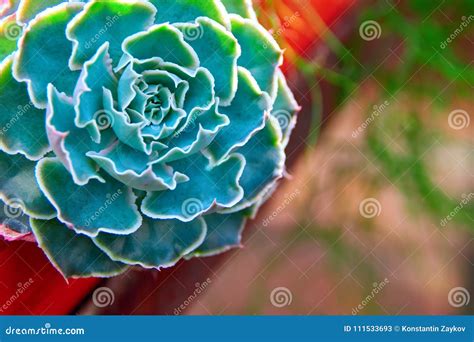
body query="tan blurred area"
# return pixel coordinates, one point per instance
(340, 237)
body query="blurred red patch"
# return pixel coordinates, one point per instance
(30, 285)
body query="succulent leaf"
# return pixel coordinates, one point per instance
(106, 21)
(244, 8)
(137, 133)
(105, 206)
(75, 255)
(18, 185)
(22, 124)
(156, 244)
(45, 48)
(223, 232)
(182, 11)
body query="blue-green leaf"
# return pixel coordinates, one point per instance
(161, 41)
(96, 75)
(44, 53)
(285, 108)
(132, 168)
(183, 11)
(224, 231)
(210, 186)
(69, 142)
(261, 55)
(28, 9)
(18, 186)
(265, 161)
(22, 127)
(107, 21)
(244, 8)
(218, 51)
(199, 130)
(157, 244)
(104, 207)
(247, 116)
(74, 255)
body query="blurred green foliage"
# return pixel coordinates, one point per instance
(426, 51)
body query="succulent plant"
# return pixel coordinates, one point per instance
(137, 132)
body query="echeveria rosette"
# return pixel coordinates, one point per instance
(137, 132)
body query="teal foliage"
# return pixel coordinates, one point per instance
(137, 133)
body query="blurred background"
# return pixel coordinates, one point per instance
(376, 214)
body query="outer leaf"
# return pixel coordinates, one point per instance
(18, 186)
(74, 255)
(218, 51)
(285, 108)
(261, 54)
(244, 8)
(44, 53)
(21, 124)
(107, 21)
(105, 207)
(158, 243)
(183, 11)
(247, 116)
(265, 161)
(161, 41)
(28, 9)
(224, 231)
